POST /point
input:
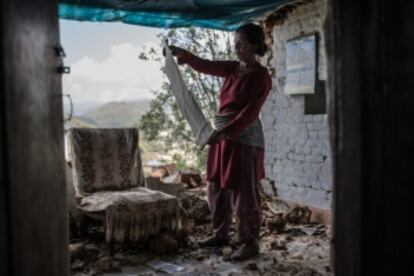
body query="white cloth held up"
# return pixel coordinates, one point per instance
(199, 125)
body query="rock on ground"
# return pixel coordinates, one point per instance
(196, 207)
(165, 242)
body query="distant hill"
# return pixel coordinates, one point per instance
(81, 122)
(116, 114)
(80, 108)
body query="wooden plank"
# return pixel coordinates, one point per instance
(344, 114)
(394, 108)
(4, 223)
(34, 138)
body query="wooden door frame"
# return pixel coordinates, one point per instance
(370, 47)
(33, 218)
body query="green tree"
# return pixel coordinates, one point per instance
(164, 122)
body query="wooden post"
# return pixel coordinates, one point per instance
(33, 221)
(371, 105)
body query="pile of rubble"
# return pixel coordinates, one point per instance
(196, 207)
(168, 179)
(291, 244)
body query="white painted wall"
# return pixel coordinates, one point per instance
(298, 157)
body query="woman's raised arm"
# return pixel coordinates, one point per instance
(219, 68)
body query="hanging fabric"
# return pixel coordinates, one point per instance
(199, 125)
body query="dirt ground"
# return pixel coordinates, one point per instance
(290, 245)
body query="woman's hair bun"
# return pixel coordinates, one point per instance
(262, 49)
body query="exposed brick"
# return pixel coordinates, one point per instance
(297, 145)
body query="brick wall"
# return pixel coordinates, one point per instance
(298, 156)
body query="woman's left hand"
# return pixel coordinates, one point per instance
(178, 52)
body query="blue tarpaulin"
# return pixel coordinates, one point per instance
(216, 14)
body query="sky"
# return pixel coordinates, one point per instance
(104, 61)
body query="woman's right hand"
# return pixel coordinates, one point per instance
(216, 138)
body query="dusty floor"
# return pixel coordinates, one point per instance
(286, 249)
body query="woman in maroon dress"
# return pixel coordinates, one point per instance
(236, 154)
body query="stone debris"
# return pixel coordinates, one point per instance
(158, 169)
(277, 245)
(276, 224)
(188, 177)
(196, 206)
(313, 229)
(159, 172)
(166, 267)
(91, 249)
(191, 177)
(169, 174)
(268, 186)
(171, 179)
(276, 206)
(202, 254)
(226, 253)
(298, 215)
(307, 272)
(146, 274)
(166, 185)
(165, 242)
(77, 265)
(105, 264)
(290, 245)
(167, 179)
(76, 250)
(252, 266)
(171, 168)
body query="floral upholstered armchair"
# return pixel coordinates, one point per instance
(109, 186)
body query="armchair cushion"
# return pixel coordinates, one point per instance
(136, 213)
(105, 159)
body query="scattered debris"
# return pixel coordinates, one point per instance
(167, 179)
(252, 266)
(268, 187)
(159, 172)
(307, 272)
(166, 185)
(105, 264)
(277, 206)
(171, 179)
(162, 266)
(168, 173)
(277, 245)
(190, 177)
(171, 168)
(76, 250)
(151, 180)
(200, 254)
(290, 244)
(77, 265)
(298, 215)
(226, 253)
(157, 168)
(311, 229)
(91, 251)
(196, 207)
(276, 224)
(166, 242)
(146, 274)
